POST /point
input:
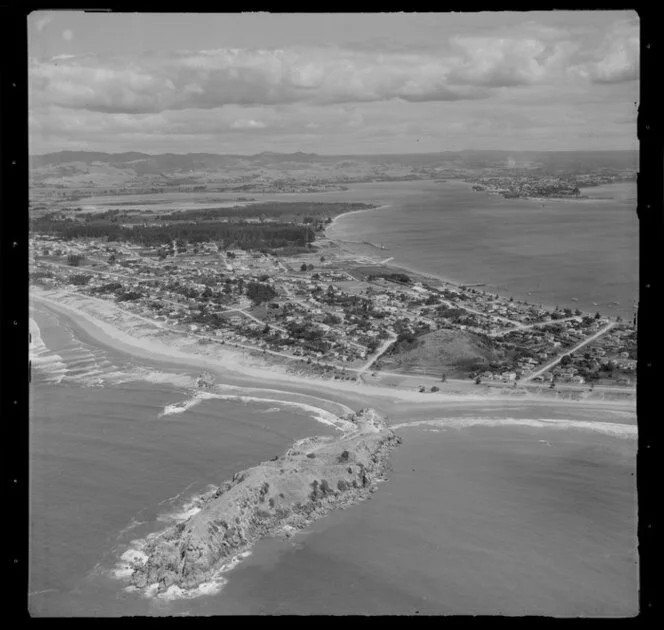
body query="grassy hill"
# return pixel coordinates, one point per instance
(455, 353)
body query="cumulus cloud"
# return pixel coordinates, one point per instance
(487, 84)
(248, 124)
(209, 79)
(616, 59)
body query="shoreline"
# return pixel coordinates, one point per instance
(233, 369)
(314, 477)
(433, 278)
(147, 563)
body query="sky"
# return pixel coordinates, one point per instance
(332, 83)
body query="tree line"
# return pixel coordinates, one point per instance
(242, 235)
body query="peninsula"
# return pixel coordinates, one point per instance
(315, 476)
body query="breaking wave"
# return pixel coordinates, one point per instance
(607, 428)
(320, 415)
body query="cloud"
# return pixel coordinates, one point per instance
(507, 62)
(520, 83)
(248, 124)
(616, 59)
(210, 79)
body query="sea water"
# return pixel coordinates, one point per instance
(493, 521)
(516, 509)
(574, 253)
(108, 466)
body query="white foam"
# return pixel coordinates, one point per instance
(181, 407)
(211, 587)
(343, 409)
(42, 358)
(128, 561)
(183, 515)
(607, 428)
(320, 415)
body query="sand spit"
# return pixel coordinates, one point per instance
(315, 476)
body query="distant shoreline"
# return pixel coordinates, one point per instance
(435, 278)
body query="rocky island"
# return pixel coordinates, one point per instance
(315, 476)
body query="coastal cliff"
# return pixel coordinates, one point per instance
(315, 476)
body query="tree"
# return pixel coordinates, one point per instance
(310, 267)
(444, 378)
(565, 360)
(478, 380)
(259, 293)
(303, 267)
(322, 258)
(597, 315)
(74, 260)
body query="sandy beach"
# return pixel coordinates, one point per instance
(394, 396)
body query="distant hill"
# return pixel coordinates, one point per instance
(135, 170)
(614, 159)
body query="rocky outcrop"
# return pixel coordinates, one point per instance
(315, 476)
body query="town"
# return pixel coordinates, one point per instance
(528, 186)
(337, 315)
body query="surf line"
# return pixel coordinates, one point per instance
(608, 428)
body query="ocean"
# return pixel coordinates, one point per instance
(474, 519)
(107, 467)
(508, 510)
(581, 253)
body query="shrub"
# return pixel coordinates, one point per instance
(435, 389)
(342, 485)
(344, 456)
(311, 455)
(79, 279)
(282, 512)
(325, 487)
(271, 502)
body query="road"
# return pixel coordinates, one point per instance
(578, 346)
(379, 351)
(359, 371)
(519, 326)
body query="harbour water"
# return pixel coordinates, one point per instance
(574, 253)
